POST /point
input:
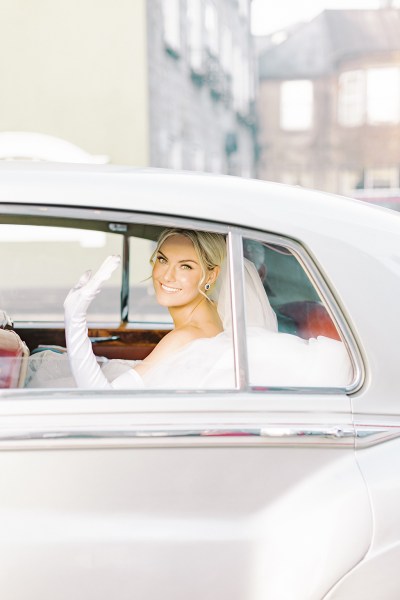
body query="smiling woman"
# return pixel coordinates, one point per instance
(186, 265)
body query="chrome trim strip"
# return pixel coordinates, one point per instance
(109, 215)
(53, 394)
(235, 262)
(255, 435)
(125, 281)
(372, 435)
(267, 434)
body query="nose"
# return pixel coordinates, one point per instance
(169, 274)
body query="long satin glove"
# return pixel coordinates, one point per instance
(84, 366)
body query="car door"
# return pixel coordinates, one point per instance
(241, 492)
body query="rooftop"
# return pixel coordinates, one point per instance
(318, 47)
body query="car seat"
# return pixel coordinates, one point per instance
(310, 319)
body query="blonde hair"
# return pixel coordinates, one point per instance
(210, 248)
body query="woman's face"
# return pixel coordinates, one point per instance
(177, 272)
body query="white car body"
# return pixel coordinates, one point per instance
(287, 494)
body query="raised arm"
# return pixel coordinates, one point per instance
(84, 366)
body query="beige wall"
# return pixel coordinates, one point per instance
(77, 69)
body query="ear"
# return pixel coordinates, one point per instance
(213, 275)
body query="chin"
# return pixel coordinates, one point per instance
(166, 300)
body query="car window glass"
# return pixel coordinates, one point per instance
(39, 265)
(301, 346)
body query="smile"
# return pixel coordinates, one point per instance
(169, 290)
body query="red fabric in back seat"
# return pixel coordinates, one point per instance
(311, 319)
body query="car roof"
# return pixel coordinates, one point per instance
(221, 198)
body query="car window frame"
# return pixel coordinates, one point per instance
(235, 235)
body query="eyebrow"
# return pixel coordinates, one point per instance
(181, 261)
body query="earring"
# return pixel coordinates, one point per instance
(207, 287)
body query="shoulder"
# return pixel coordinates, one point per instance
(177, 338)
(173, 342)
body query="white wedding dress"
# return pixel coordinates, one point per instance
(275, 359)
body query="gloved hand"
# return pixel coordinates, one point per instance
(84, 366)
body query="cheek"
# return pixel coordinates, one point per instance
(192, 281)
(188, 280)
(157, 268)
(155, 276)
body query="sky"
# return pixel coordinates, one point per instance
(269, 16)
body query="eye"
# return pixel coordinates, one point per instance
(186, 267)
(162, 260)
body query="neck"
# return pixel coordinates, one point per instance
(182, 315)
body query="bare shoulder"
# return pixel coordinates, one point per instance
(177, 338)
(173, 342)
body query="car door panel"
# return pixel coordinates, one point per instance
(179, 503)
(378, 456)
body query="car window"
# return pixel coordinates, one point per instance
(39, 264)
(297, 342)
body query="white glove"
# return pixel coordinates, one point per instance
(84, 366)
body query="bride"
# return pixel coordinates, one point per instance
(190, 279)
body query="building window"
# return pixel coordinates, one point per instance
(371, 96)
(351, 98)
(172, 30)
(244, 8)
(350, 180)
(227, 50)
(195, 35)
(198, 159)
(297, 176)
(241, 81)
(383, 95)
(175, 154)
(383, 178)
(211, 28)
(296, 110)
(170, 149)
(214, 163)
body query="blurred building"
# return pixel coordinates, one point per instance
(201, 82)
(166, 83)
(329, 103)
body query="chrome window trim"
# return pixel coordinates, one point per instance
(125, 281)
(248, 434)
(319, 282)
(256, 432)
(235, 236)
(236, 276)
(110, 215)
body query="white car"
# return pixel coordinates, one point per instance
(283, 485)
